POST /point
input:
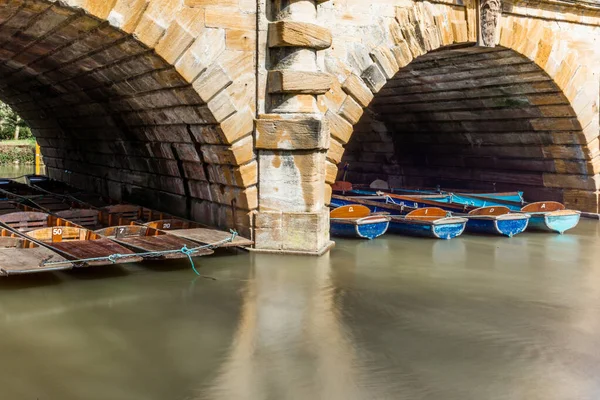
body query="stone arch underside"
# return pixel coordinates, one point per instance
(375, 55)
(474, 118)
(135, 100)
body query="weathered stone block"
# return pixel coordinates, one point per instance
(340, 128)
(211, 82)
(224, 18)
(237, 126)
(277, 132)
(291, 181)
(298, 34)
(374, 78)
(356, 88)
(290, 81)
(296, 226)
(221, 106)
(351, 110)
(201, 54)
(240, 152)
(385, 60)
(174, 42)
(335, 152)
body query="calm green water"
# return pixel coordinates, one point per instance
(479, 318)
(395, 318)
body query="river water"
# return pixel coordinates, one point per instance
(476, 317)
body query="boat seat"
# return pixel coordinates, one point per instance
(543, 206)
(427, 214)
(493, 210)
(351, 211)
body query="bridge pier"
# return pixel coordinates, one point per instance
(292, 137)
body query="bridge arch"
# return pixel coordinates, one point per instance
(417, 102)
(139, 99)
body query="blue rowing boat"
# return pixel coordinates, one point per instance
(429, 222)
(551, 216)
(497, 220)
(356, 221)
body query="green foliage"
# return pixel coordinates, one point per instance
(22, 154)
(9, 121)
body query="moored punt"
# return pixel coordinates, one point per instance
(487, 201)
(159, 244)
(72, 242)
(20, 255)
(442, 201)
(356, 221)
(551, 216)
(497, 220)
(32, 197)
(430, 222)
(123, 214)
(44, 184)
(374, 204)
(198, 233)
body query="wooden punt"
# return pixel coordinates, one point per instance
(429, 222)
(28, 195)
(356, 221)
(496, 220)
(551, 216)
(198, 233)
(123, 214)
(375, 204)
(48, 185)
(63, 237)
(20, 255)
(143, 239)
(111, 215)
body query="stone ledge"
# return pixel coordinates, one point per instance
(307, 133)
(298, 34)
(303, 82)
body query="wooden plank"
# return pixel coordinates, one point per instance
(210, 236)
(83, 249)
(543, 206)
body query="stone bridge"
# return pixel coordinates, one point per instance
(237, 113)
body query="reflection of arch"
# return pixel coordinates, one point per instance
(291, 338)
(136, 99)
(563, 151)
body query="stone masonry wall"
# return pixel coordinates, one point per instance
(151, 101)
(372, 42)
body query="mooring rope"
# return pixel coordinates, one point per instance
(113, 258)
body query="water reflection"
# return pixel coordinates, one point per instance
(395, 318)
(290, 342)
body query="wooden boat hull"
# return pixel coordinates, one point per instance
(476, 201)
(504, 225)
(445, 228)
(193, 231)
(556, 221)
(373, 205)
(142, 239)
(363, 228)
(19, 256)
